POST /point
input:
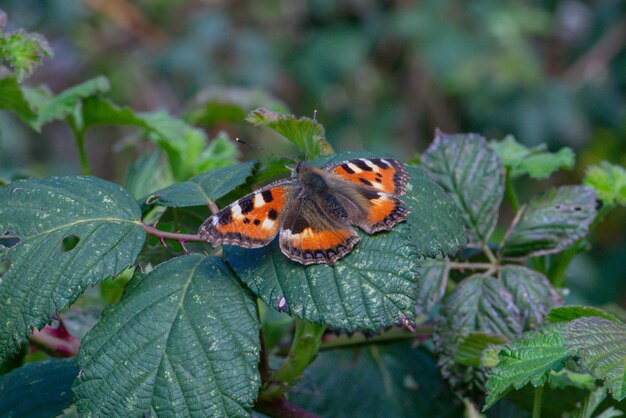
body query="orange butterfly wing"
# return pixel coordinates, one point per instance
(382, 174)
(252, 221)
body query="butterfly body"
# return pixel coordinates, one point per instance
(314, 210)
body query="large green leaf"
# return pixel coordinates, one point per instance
(532, 293)
(73, 232)
(536, 162)
(528, 360)
(205, 187)
(392, 380)
(306, 133)
(68, 102)
(471, 172)
(38, 389)
(601, 346)
(609, 182)
(183, 341)
(372, 287)
(551, 222)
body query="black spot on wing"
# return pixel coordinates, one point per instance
(272, 214)
(267, 196)
(365, 182)
(257, 222)
(246, 204)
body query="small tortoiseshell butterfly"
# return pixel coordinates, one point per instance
(315, 210)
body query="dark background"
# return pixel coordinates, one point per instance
(381, 74)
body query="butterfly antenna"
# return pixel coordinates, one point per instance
(261, 148)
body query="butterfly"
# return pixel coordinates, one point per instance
(314, 211)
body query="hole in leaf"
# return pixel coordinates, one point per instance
(8, 241)
(69, 243)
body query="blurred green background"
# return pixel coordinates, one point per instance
(382, 75)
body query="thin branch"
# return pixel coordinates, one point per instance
(470, 266)
(163, 235)
(394, 334)
(213, 207)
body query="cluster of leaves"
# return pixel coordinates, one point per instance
(184, 339)
(508, 302)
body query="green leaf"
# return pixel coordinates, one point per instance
(478, 303)
(392, 380)
(98, 110)
(601, 345)
(183, 144)
(528, 360)
(466, 167)
(471, 348)
(45, 274)
(535, 162)
(431, 284)
(23, 52)
(609, 182)
(68, 102)
(13, 99)
(372, 287)
(205, 187)
(40, 389)
(230, 104)
(532, 293)
(306, 133)
(569, 313)
(184, 340)
(550, 222)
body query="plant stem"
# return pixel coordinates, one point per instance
(394, 334)
(79, 136)
(470, 266)
(509, 191)
(537, 402)
(304, 348)
(162, 235)
(282, 408)
(492, 258)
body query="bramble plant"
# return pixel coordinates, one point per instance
(219, 332)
